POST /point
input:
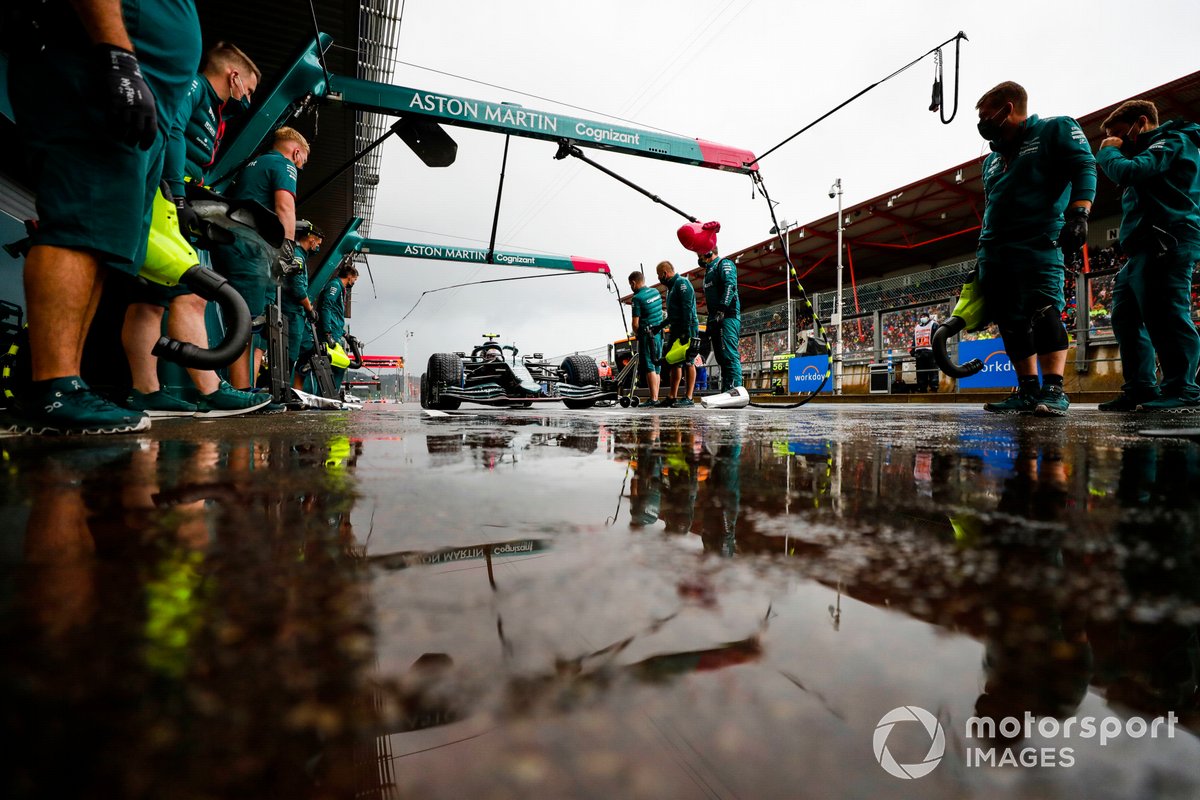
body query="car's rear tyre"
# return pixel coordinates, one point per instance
(580, 371)
(444, 369)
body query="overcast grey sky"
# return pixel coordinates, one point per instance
(740, 72)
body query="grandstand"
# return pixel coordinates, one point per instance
(907, 251)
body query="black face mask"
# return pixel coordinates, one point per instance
(1129, 143)
(989, 128)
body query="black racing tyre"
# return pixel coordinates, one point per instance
(580, 371)
(444, 369)
(424, 390)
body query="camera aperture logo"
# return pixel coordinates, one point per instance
(937, 742)
(1009, 741)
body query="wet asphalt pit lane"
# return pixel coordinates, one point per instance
(633, 603)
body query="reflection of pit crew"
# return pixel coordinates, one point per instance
(647, 318)
(1038, 657)
(1153, 664)
(922, 351)
(680, 481)
(721, 503)
(724, 316)
(646, 489)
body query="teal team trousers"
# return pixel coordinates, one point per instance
(724, 337)
(1151, 314)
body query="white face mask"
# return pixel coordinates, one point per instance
(924, 320)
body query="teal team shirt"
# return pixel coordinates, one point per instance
(1028, 184)
(333, 309)
(295, 287)
(647, 309)
(1161, 185)
(199, 126)
(720, 288)
(265, 175)
(681, 309)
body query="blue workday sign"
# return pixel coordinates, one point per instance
(806, 373)
(997, 370)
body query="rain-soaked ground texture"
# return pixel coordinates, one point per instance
(601, 604)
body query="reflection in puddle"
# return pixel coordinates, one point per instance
(559, 605)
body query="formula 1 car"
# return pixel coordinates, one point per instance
(487, 376)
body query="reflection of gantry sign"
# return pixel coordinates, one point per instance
(421, 112)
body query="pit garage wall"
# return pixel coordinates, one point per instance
(16, 206)
(11, 228)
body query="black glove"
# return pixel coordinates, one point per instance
(659, 328)
(289, 262)
(189, 220)
(131, 110)
(705, 346)
(716, 317)
(1074, 233)
(311, 315)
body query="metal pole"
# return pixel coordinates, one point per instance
(404, 386)
(787, 277)
(837, 367)
(783, 228)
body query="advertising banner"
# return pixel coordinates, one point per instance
(806, 373)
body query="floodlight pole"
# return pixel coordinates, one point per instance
(837, 320)
(787, 282)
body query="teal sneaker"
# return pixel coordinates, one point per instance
(159, 404)
(271, 408)
(1052, 401)
(683, 402)
(1016, 403)
(69, 407)
(1171, 405)
(227, 401)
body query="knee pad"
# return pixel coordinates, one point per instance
(1018, 341)
(1049, 334)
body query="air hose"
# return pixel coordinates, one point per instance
(970, 315)
(356, 355)
(170, 260)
